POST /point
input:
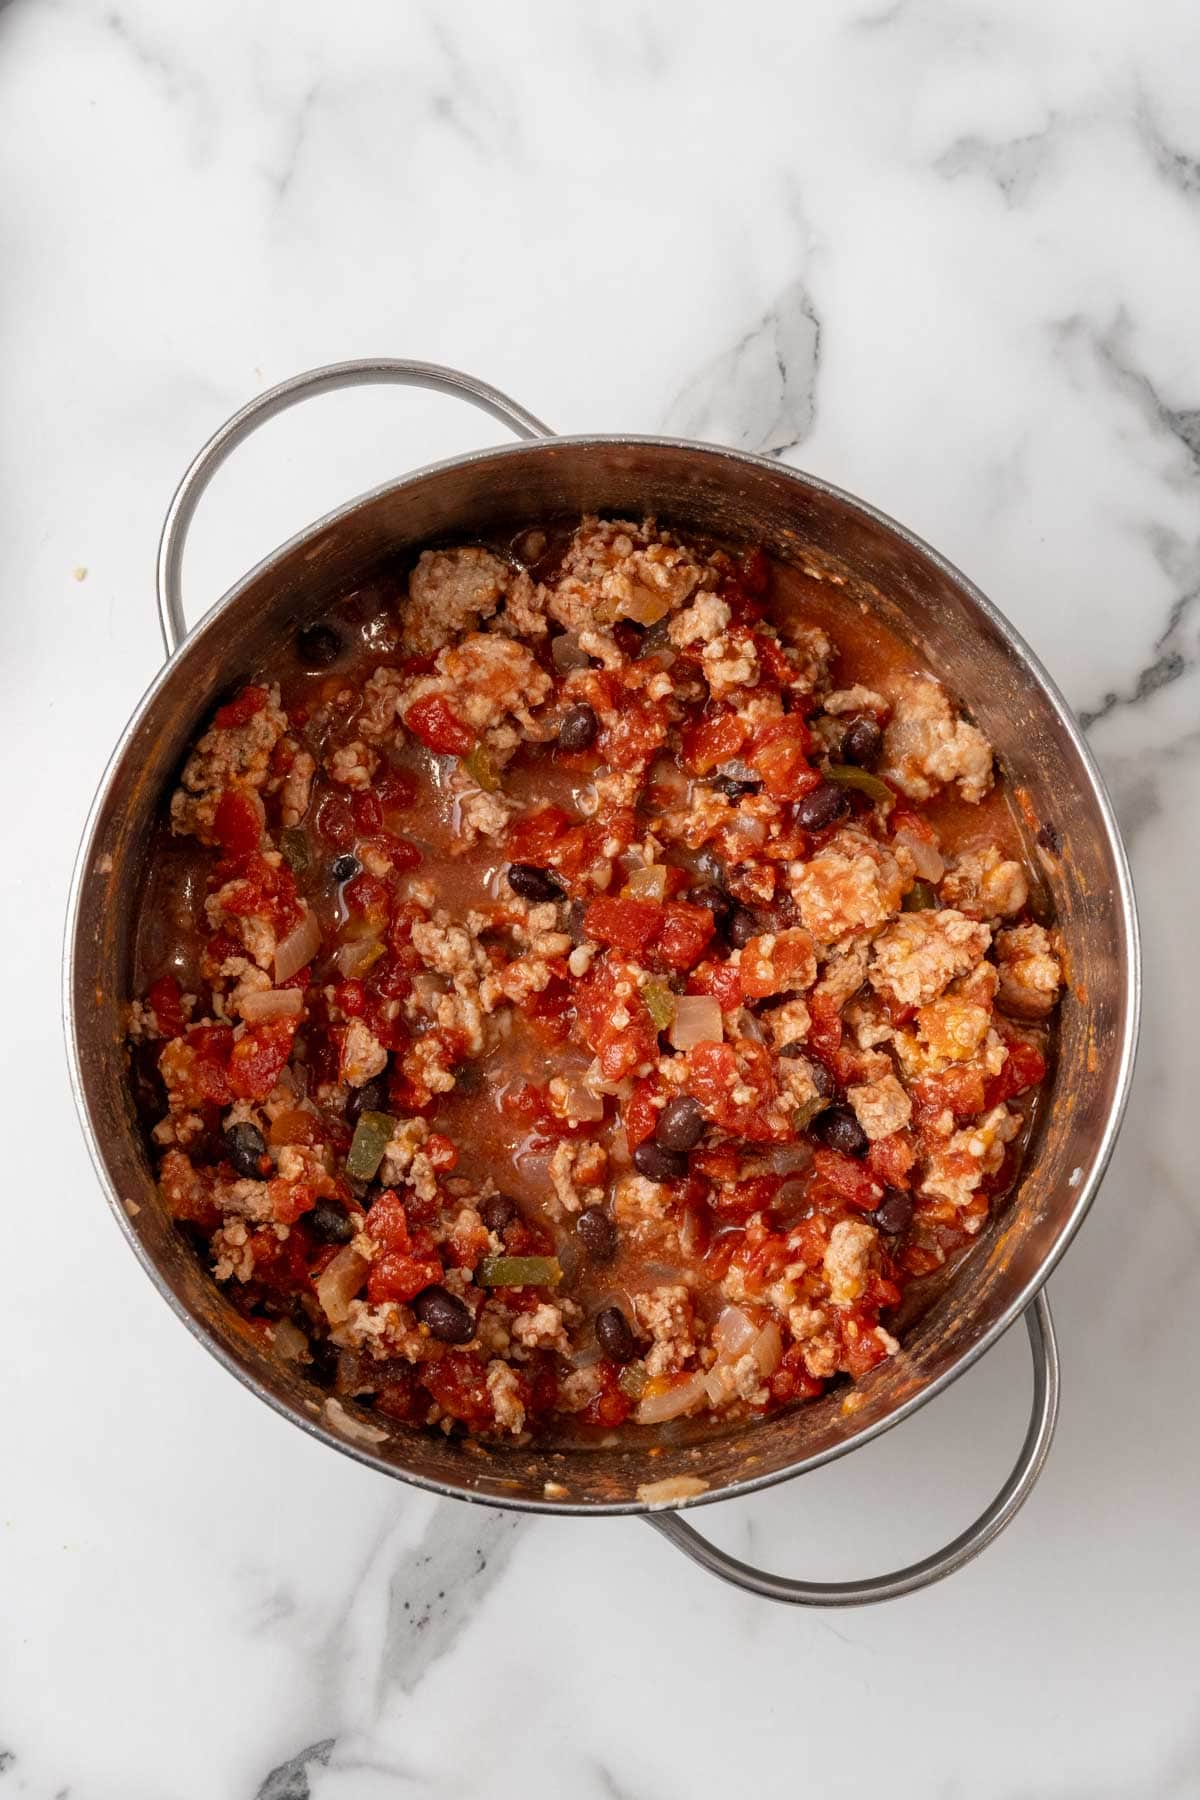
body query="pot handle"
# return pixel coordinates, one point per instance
(960, 1550)
(276, 400)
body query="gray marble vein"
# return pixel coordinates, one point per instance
(290, 1781)
(761, 394)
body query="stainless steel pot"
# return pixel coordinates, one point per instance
(954, 628)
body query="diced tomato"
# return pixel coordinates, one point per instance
(1024, 1067)
(533, 835)
(458, 1382)
(610, 1406)
(825, 1032)
(240, 821)
(166, 1001)
(367, 812)
(684, 935)
(890, 1159)
(791, 1380)
(741, 1199)
(629, 740)
(713, 741)
(619, 1049)
(389, 1223)
(861, 1348)
(721, 980)
(959, 1089)
(779, 755)
(258, 1058)
(785, 962)
(367, 896)
(335, 821)
(290, 1200)
(350, 997)
(403, 1398)
(401, 1278)
(715, 1074)
(397, 790)
(401, 851)
(836, 1182)
(640, 1113)
(438, 726)
(252, 887)
(629, 925)
(549, 1012)
(241, 710)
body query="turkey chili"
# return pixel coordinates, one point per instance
(587, 982)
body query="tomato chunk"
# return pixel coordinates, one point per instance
(438, 726)
(629, 925)
(685, 934)
(257, 1059)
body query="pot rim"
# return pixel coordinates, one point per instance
(1128, 931)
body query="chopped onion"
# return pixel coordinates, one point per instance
(339, 1282)
(357, 957)
(656, 1409)
(697, 1021)
(298, 947)
(733, 1334)
(566, 653)
(272, 1003)
(570, 1099)
(290, 1341)
(646, 606)
(929, 864)
(649, 883)
(767, 1348)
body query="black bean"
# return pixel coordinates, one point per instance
(822, 1080)
(245, 1146)
(578, 729)
(840, 1129)
(742, 927)
(330, 1223)
(657, 1164)
(732, 788)
(445, 1316)
(821, 807)
(715, 900)
(895, 1212)
(534, 884)
(862, 744)
(681, 1124)
(370, 1097)
(497, 1212)
(614, 1334)
(345, 868)
(322, 1365)
(597, 1231)
(318, 646)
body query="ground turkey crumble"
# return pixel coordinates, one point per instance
(576, 1011)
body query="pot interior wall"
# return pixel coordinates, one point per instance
(740, 501)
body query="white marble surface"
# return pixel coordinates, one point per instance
(946, 254)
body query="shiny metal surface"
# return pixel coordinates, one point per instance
(951, 625)
(946, 1561)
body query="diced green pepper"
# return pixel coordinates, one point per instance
(863, 780)
(519, 1271)
(479, 766)
(921, 897)
(632, 1380)
(804, 1115)
(372, 1135)
(293, 841)
(660, 1004)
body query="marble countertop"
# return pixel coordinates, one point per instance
(945, 254)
